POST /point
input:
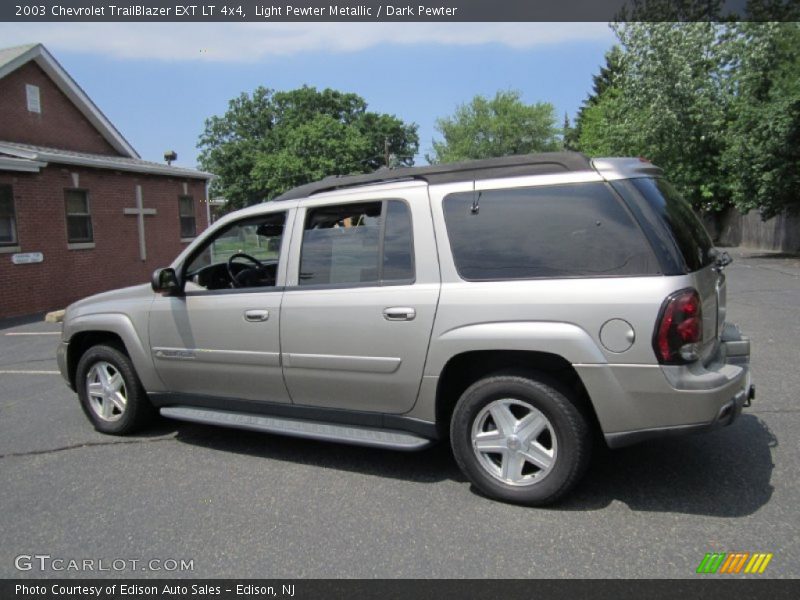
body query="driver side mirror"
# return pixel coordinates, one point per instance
(165, 281)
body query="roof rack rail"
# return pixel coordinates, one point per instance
(490, 168)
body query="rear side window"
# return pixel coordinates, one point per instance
(575, 230)
(368, 243)
(670, 208)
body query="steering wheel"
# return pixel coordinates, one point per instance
(235, 276)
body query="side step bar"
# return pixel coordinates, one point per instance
(330, 432)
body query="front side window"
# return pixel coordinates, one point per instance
(186, 210)
(8, 220)
(352, 244)
(573, 230)
(244, 254)
(79, 218)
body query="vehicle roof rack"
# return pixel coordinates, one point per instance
(490, 168)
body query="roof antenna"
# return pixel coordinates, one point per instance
(475, 204)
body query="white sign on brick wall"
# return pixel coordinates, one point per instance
(26, 258)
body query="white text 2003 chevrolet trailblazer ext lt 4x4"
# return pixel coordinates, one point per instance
(516, 306)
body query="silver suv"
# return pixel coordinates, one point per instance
(517, 306)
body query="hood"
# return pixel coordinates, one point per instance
(123, 300)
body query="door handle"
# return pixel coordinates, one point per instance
(399, 313)
(256, 316)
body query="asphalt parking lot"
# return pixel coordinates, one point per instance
(241, 504)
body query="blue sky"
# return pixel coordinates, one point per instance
(159, 85)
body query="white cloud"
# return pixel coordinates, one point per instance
(243, 42)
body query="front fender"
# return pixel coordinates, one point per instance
(121, 325)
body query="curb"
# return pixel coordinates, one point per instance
(56, 316)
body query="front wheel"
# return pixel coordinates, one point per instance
(520, 439)
(110, 392)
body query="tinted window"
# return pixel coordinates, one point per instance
(398, 251)
(576, 230)
(676, 213)
(357, 243)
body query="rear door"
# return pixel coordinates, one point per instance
(360, 301)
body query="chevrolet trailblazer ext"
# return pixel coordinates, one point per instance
(517, 306)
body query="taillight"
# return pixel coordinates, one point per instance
(679, 329)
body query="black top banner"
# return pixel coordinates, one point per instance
(399, 10)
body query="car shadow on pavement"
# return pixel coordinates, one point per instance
(771, 255)
(726, 473)
(10, 322)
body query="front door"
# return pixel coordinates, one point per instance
(222, 337)
(359, 308)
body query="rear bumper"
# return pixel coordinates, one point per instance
(640, 402)
(727, 414)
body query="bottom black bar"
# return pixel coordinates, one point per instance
(708, 587)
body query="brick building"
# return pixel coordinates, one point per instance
(80, 211)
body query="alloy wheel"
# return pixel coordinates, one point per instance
(514, 442)
(106, 391)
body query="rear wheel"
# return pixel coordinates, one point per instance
(520, 438)
(110, 392)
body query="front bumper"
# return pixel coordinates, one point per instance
(640, 402)
(61, 359)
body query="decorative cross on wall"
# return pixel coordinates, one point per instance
(140, 211)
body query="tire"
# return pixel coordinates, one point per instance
(111, 395)
(543, 440)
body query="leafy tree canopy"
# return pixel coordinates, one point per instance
(716, 104)
(499, 126)
(268, 142)
(606, 79)
(761, 159)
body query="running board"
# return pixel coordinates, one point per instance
(329, 432)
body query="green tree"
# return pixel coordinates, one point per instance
(762, 157)
(605, 80)
(269, 142)
(717, 104)
(499, 126)
(569, 138)
(604, 126)
(668, 102)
